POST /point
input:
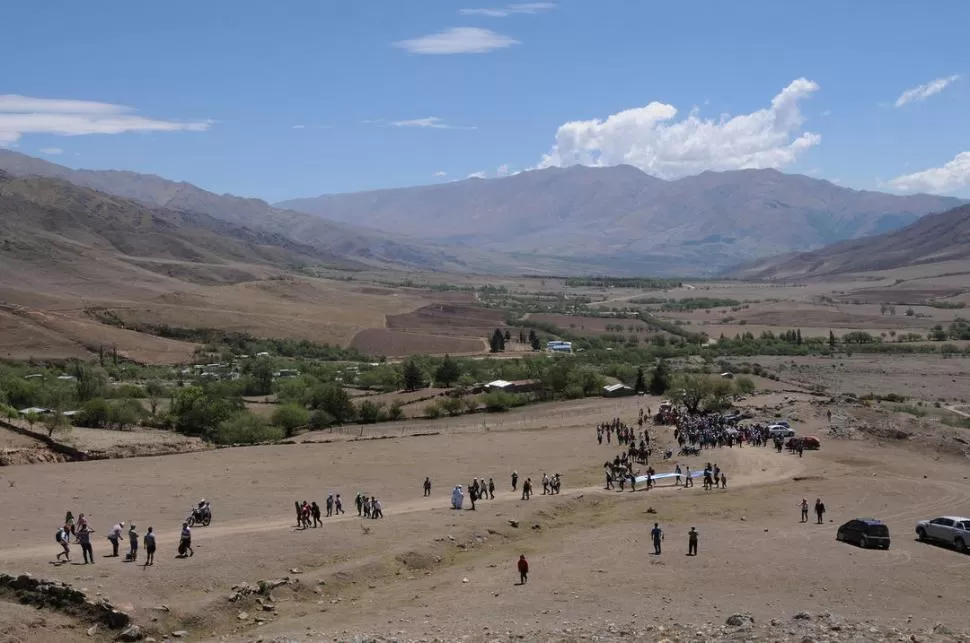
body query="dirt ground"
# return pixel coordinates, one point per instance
(426, 571)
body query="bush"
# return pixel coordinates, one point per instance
(370, 412)
(396, 411)
(291, 417)
(320, 419)
(453, 406)
(498, 401)
(245, 428)
(433, 411)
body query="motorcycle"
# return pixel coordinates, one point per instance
(200, 516)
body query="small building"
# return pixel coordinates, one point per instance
(617, 390)
(66, 378)
(518, 386)
(34, 410)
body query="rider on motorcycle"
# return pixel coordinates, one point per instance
(201, 511)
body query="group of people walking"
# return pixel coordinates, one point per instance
(81, 531)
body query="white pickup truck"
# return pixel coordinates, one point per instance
(949, 530)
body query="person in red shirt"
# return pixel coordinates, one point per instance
(523, 570)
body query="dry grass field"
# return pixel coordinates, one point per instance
(408, 575)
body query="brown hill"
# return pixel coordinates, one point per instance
(356, 244)
(933, 239)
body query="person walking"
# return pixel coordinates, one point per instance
(491, 489)
(359, 501)
(657, 535)
(804, 510)
(63, 538)
(315, 513)
(427, 487)
(84, 539)
(114, 536)
(692, 542)
(132, 543)
(150, 547)
(515, 481)
(338, 505)
(329, 505)
(185, 541)
(523, 566)
(819, 509)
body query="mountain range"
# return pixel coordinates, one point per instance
(622, 216)
(933, 239)
(575, 220)
(353, 243)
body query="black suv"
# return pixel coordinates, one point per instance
(864, 532)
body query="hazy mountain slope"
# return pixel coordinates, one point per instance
(51, 221)
(354, 243)
(705, 221)
(933, 239)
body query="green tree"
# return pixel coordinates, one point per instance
(259, 380)
(534, 341)
(660, 378)
(155, 391)
(413, 376)
(447, 372)
(94, 414)
(90, 383)
(125, 413)
(831, 339)
(744, 385)
(290, 417)
(369, 412)
(641, 383)
(244, 427)
(198, 411)
(497, 343)
(692, 390)
(334, 400)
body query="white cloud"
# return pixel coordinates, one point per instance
(440, 174)
(458, 40)
(649, 138)
(431, 122)
(922, 92)
(502, 170)
(299, 127)
(477, 175)
(952, 176)
(53, 151)
(505, 12)
(21, 115)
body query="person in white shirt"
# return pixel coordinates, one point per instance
(115, 536)
(185, 543)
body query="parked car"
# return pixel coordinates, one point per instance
(949, 530)
(808, 442)
(864, 532)
(781, 431)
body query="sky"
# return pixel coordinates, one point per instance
(279, 100)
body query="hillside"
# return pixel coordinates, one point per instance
(49, 221)
(355, 244)
(936, 238)
(621, 217)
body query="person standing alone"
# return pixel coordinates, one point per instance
(804, 510)
(115, 537)
(692, 542)
(523, 566)
(657, 535)
(427, 487)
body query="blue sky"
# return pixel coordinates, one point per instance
(280, 100)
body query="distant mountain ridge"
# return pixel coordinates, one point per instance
(353, 243)
(694, 225)
(574, 220)
(933, 239)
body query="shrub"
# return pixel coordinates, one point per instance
(291, 417)
(433, 411)
(245, 428)
(453, 406)
(369, 412)
(497, 401)
(320, 419)
(396, 411)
